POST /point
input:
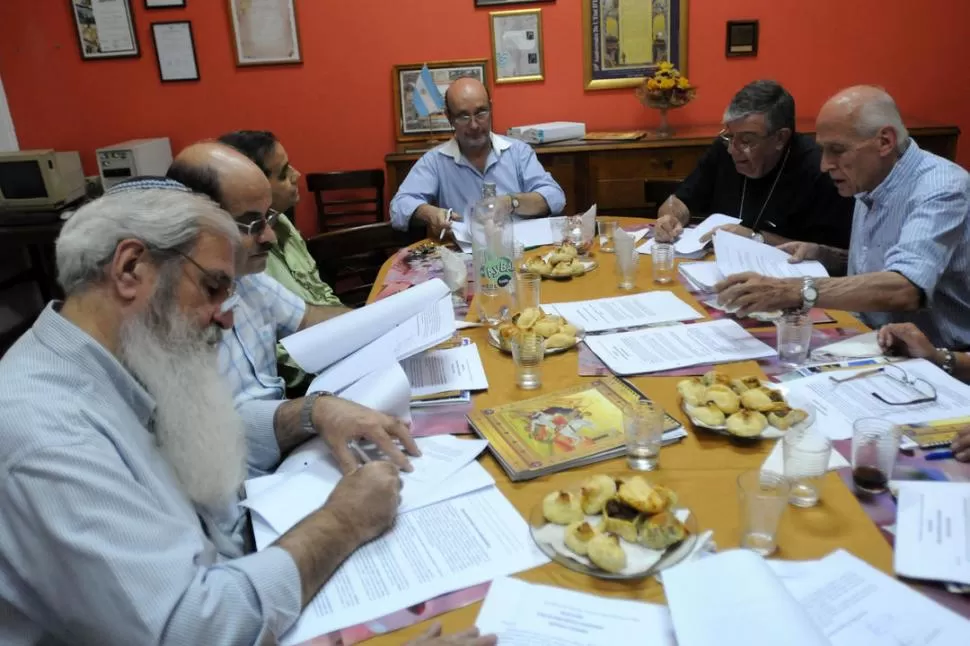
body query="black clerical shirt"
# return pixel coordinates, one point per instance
(804, 205)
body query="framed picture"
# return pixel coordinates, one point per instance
(497, 3)
(265, 32)
(164, 4)
(742, 38)
(625, 40)
(105, 29)
(411, 126)
(517, 46)
(175, 51)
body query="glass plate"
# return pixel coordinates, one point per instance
(770, 433)
(671, 556)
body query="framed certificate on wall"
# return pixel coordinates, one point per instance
(105, 29)
(265, 32)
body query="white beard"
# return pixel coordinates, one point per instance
(197, 428)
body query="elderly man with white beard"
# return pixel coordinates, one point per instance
(123, 453)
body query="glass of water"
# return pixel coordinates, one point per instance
(528, 350)
(494, 304)
(643, 423)
(763, 496)
(663, 262)
(607, 231)
(626, 270)
(806, 454)
(794, 338)
(527, 288)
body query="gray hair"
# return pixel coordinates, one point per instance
(880, 112)
(763, 97)
(163, 219)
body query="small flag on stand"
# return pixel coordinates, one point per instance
(427, 98)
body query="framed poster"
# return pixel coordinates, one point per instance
(265, 32)
(175, 51)
(410, 125)
(625, 40)
(517, 46)
(105, 29)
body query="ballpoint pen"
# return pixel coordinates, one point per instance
(939, 455)
(355, 447)
(441, 236)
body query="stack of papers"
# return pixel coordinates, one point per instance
(857, 347)
(440, 371)
(665, 348)
(933, 531)
(636, 310)
(736, 254)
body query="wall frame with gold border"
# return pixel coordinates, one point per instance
(517, 55)
(409, 125)
(618, 53)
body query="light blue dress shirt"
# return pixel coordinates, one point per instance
(98, 543)
(266, 312)
(444, 177)
(917, 223)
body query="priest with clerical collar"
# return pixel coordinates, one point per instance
(761, 171)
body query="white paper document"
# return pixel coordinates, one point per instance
(440, 371)
(526, 614)
(689, 241)
(428, 552)
(857, 347)
(538, 232)
(838, 405)
(665, 348)
(636, 310)
(933, 531)
(321, 345)
(702, 276)
(736, 254)
(647, 249)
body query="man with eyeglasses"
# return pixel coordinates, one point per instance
(447, 181)
(761, 171)
(910, 253)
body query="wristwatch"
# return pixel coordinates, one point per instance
(949, 360)
(809, 293)
(306, 412)
(515, 203)
(757, 237)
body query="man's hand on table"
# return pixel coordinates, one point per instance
(905, 339)
(961, 445)
(750, 292)
(366, 500)
(438, 221)
(339, 421)
(736, 229)
(667, 229)
(800, 251)
(468, 637)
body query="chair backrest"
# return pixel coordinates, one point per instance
(350, 259)
(360, 199)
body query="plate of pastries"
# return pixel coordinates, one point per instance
(614, 526)
(562, 263)
(558, 333)
(744, 407)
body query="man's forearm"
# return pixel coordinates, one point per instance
(883, 291)
(774, 239)
(318, 545)
(289, 427)
(426, 212)
(319, 313)
(836, 260)
(531, 205)
(674, 207)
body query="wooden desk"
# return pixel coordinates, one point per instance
(612, 174)
(702, 469)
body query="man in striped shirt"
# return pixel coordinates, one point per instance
(909, 256)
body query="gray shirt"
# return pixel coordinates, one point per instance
(98, 543)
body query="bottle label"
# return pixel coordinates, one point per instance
(497, 271)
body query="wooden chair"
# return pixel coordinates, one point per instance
(359, 199)
(350, 259)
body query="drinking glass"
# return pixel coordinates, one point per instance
(607, 231)
(663, 262)
(626, 270)
(806, 454)
(643, 423)
(528, 350)
(794, 338)
(518, 255)
(527, 286)
(875, 443)
(494, 304)
(763, 496)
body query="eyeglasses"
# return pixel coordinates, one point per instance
(481, 116)
(899, 389)
(217, 285)
(745, 141)
(256, 227)
(837, 150)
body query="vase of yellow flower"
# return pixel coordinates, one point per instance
(666, 89)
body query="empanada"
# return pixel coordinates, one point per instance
(545, 327)
(508, 331)
(561, 508)
(578, 536)
(692, 390)
(560, 340)
(561, 269)
(762, 399)
(594, 493)
(621, 519)
(707, 414)
(661, 531)
(667, 494)
(576, 268)
(569, 329)
(538, 266)
(639, 495)
(528, 317)
(724, 398)
(712, 377)
(785, 418)
(746, 423)
(745, 384)
(605, 552)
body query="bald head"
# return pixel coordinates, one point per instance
(225, 175)
(469, 110)
(465, 90)
(867, 110)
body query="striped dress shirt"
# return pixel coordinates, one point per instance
(917, 223)
(98, 543)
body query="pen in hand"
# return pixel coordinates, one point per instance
(441, 236)
(359, 452)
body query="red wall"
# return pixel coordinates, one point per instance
(335, 111)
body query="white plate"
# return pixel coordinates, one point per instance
(770, 433)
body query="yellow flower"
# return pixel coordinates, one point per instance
(667, 84)
(666, 66)
(683, 83)
(652, 84)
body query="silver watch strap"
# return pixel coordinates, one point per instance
(306, 411)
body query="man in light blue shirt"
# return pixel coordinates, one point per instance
(447, 181)
(909, 257)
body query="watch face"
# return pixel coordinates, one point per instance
(810, 294)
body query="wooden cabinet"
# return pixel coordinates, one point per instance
(614, 175)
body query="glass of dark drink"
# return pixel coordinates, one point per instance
(875, 443)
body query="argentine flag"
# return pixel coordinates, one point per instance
(426, 97)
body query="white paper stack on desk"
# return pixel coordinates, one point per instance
(933, 531)
(689, 244)
(620, 312)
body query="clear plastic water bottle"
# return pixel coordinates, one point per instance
(493, 252)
